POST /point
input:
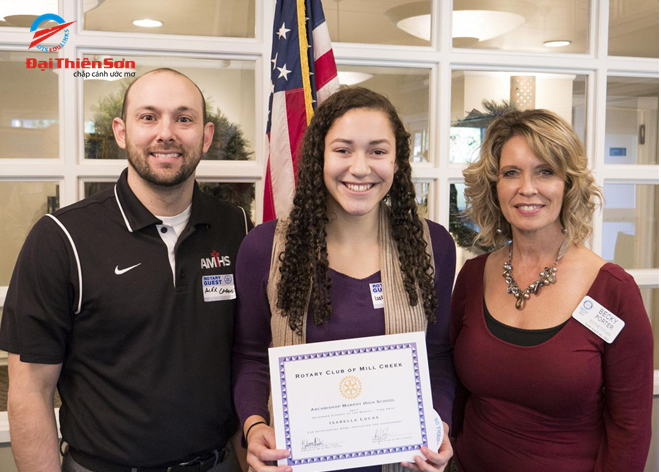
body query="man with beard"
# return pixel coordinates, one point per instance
(125, 302)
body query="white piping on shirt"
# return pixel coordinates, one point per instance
(245, 218)
(128, 226)
(80, 271)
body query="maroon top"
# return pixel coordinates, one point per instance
(573, 403)
(353, 317)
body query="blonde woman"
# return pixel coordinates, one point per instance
(538, 390)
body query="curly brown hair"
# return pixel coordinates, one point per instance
(304, 262)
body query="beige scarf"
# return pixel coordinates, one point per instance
(400, 317)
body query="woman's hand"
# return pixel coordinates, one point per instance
(436, 461)
(261, 450)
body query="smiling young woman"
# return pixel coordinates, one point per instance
(359, 162)
(307, 278)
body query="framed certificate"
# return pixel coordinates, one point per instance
(353, 403)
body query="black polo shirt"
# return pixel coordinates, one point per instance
(145, 378)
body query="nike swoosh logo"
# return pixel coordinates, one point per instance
(124, 271)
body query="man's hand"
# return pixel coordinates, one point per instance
(32, 425)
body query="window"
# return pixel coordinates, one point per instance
(407, 89)
(632, 121)
(478, 97)
(29, 110)
(541, 26)
(422, 54)
(21, 205)
(633, 28)
(379, 22)
(631, 225)
(228, 87)
(230, 18)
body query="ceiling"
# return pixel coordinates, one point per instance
(633, 24)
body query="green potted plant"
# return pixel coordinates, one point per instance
(462, 228)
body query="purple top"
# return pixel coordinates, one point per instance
(353, 317)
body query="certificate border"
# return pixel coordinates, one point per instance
(344, 352)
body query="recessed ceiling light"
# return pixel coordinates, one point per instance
(557, 43)
(148, 23)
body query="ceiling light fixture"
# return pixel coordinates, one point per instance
(352, 78)
(33, 8)
(472, 20)
(148, 23)
(557, 43)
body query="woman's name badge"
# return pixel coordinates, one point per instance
(591, 314)
(376, 290)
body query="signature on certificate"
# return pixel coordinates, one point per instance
(383, 435)
(315, 443)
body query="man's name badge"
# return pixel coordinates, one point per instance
(218, 287)
(376, 290)
(591, 314)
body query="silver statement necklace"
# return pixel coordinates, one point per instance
(546, 277)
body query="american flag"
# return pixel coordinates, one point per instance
(302, 76)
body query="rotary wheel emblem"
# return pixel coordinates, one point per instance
(350, 387)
